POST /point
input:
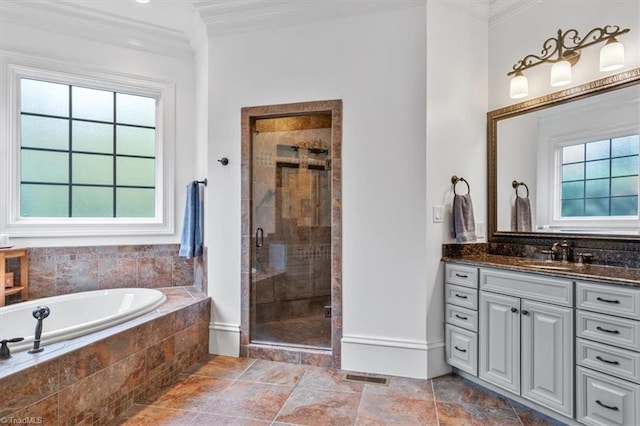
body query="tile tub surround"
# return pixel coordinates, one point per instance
(242, 391)
(62, 270)
(94, 378)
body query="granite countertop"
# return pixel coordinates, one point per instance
(610, 274)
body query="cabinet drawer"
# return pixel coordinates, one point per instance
(606, 299)
(616, 331)
(462, 317)
(461, 275)
(604, 400)
(461, 296)
(528, 286)
(608, 359)
(462, 349)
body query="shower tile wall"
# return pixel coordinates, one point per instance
(61, 270)
(292, 205)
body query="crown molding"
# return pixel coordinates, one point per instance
(225, 16)
(502, 10)
(77, 21)
(483, 11)
(475, 10)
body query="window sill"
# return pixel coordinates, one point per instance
(86, 228)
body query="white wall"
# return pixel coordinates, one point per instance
(525, 32)
(376, 65)
(456, 142)
(102, 57)
(411, 120)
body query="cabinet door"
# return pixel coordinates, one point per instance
(499, 336)
(547, 355)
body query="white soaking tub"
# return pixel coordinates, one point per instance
(76, 314)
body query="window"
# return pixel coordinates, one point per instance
(600, 178)
(85, 152)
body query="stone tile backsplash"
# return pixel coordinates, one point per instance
(62, 270)
(604, 252)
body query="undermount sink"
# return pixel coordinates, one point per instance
(549, 267)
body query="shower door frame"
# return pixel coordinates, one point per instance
(331, 357)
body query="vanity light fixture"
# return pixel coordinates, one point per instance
(563, 52)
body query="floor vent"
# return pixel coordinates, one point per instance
(367, 379)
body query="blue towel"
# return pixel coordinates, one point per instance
(191, 241)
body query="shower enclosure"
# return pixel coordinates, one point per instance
(291, 220)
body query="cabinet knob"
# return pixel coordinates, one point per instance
(514, 310)
(525, 312)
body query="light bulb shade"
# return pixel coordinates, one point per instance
(519, 86)
(560, 73)
(611, 56)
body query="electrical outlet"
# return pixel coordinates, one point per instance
(438, 214)
(480, 230)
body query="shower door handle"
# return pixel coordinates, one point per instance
(259, 237)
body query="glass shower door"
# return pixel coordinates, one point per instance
(291, 224)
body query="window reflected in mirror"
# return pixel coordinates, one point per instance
(600, 178)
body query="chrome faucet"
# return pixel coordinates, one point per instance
(563, 248)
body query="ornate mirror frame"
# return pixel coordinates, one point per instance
(613, 82)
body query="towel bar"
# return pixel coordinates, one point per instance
(204, 182)
(455, 179)
(515, 184)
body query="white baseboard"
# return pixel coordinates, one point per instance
(224, 339)
(437, 359)
(406, 358)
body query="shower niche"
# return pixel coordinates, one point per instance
(292, 254)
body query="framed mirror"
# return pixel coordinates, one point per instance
(573, 156)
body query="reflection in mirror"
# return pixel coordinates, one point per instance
(575, 154)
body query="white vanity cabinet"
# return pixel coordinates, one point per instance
(607, 354)
(525, 336)
(461, 317)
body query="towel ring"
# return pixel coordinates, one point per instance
(455, 179)
(515, 184)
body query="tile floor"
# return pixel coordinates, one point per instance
(239, 391)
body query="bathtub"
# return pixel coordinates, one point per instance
(76, 314)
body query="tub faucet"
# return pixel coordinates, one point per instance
(5, 353)
(39, 313)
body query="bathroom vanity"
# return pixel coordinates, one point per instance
(561, 338)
